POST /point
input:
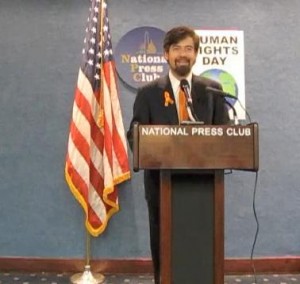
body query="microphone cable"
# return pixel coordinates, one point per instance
(244, 109)
(257, 228)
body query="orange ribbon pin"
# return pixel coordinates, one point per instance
(168, 99)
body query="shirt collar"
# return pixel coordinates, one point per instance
(175, 82)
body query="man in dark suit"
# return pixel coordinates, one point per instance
(158, 103)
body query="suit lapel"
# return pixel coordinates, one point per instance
(197, 88)
(170, 110)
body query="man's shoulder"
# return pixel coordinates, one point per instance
(157, 83)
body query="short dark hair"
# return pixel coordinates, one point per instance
(177, 34)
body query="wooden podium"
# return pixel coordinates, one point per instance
(192, 160)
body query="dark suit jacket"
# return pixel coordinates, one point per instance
(149, 108)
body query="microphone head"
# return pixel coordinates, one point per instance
(184, 84)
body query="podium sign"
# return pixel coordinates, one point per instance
(196, 147)
(191, 160)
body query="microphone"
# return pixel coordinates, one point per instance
(225, 95)
(220, 92)
(184, 85)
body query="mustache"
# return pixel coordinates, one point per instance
(182, 59)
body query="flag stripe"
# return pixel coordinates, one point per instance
(81, 101)
(119, 134)
(73, 178)
(117, 129)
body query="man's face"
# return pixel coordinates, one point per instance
(181, 57)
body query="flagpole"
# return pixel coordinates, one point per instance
(87, 277)
(101, 102)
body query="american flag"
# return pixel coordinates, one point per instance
(97, 158)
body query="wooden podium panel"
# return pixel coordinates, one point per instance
(196, 147)
(192, 231)
(191, 160)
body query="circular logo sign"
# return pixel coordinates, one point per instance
(139, 56)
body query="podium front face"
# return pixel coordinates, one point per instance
(192, 230)
(191, 160)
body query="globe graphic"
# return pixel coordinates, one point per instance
(225, 79)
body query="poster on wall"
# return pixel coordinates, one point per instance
(221, 58)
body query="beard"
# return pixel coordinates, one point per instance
(183, 71)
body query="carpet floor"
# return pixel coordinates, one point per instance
(52, 278)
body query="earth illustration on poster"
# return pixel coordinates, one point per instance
(227, 81)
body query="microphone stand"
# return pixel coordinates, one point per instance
(235, 117)
(184, 85)
(225, 95)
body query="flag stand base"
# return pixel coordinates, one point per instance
(87, 277)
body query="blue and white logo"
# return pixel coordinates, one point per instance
(139, 56)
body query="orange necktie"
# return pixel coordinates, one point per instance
(183, 114)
